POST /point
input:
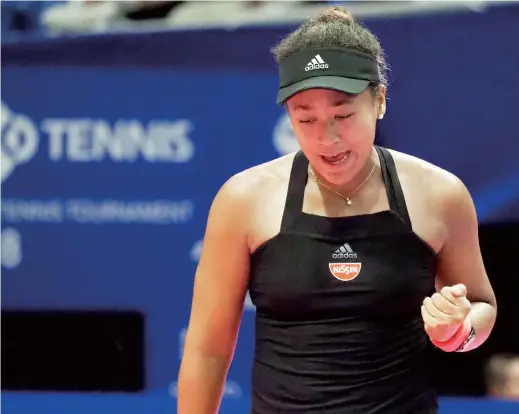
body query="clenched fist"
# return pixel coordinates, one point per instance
(445, 311)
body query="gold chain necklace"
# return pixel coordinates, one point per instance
(348, 198)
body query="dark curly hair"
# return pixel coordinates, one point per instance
(334, 27)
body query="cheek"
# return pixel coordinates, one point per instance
(359, 130)
(307, 134)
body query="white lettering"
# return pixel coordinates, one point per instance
(86, 140)
(122, 143)
(11, 248)
(20, 139)
(171, 141)
(79, 143)
(16, 210)
(157, 212)
(104, 141)
(318, 66)
(105, 211)
(55, 128)
(143, 143)
(344, 255)
(346, 269)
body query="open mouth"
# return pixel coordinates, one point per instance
(339, 158)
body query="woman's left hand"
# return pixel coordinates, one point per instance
(444, 312)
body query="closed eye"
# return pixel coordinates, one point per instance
(337, 117)
(341, 117)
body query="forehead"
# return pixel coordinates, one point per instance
(320, 97)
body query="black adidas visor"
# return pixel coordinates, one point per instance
(340, 70)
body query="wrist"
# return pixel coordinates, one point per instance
(461, 338)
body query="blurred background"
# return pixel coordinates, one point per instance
(121, 120)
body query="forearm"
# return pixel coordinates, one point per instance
(483, 317)
(200, 383)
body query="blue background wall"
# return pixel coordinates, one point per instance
(113, 147)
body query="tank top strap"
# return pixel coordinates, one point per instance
(299, 177)
(394, 190)
(296, 190)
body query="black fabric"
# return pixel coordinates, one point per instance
(394, 190)
(339, 62)
(347, 71)
(334, 83)
(341, 343)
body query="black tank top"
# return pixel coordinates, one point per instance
(338, 322)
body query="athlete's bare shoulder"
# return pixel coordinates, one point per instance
(423, 170)
(276, 169)
(423, 176)
(262, 177)
(257, 197)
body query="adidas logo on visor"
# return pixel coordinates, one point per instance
(316, 63)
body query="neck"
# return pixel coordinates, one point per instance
(357, 180)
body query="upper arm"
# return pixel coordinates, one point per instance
(221, 278)
(460, 260)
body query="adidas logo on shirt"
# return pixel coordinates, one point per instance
(344, 252)
(316, 63)
(344, 270)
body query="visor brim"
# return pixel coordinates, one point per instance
(335, 83)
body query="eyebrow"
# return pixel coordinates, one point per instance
(344, 100)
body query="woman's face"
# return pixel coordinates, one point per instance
(335, 131)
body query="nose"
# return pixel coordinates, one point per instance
(330, 134)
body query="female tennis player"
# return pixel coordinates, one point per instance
(357, 258)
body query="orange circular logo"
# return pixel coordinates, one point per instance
(345, 271)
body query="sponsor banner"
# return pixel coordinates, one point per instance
(104, 203)
(109, 166)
